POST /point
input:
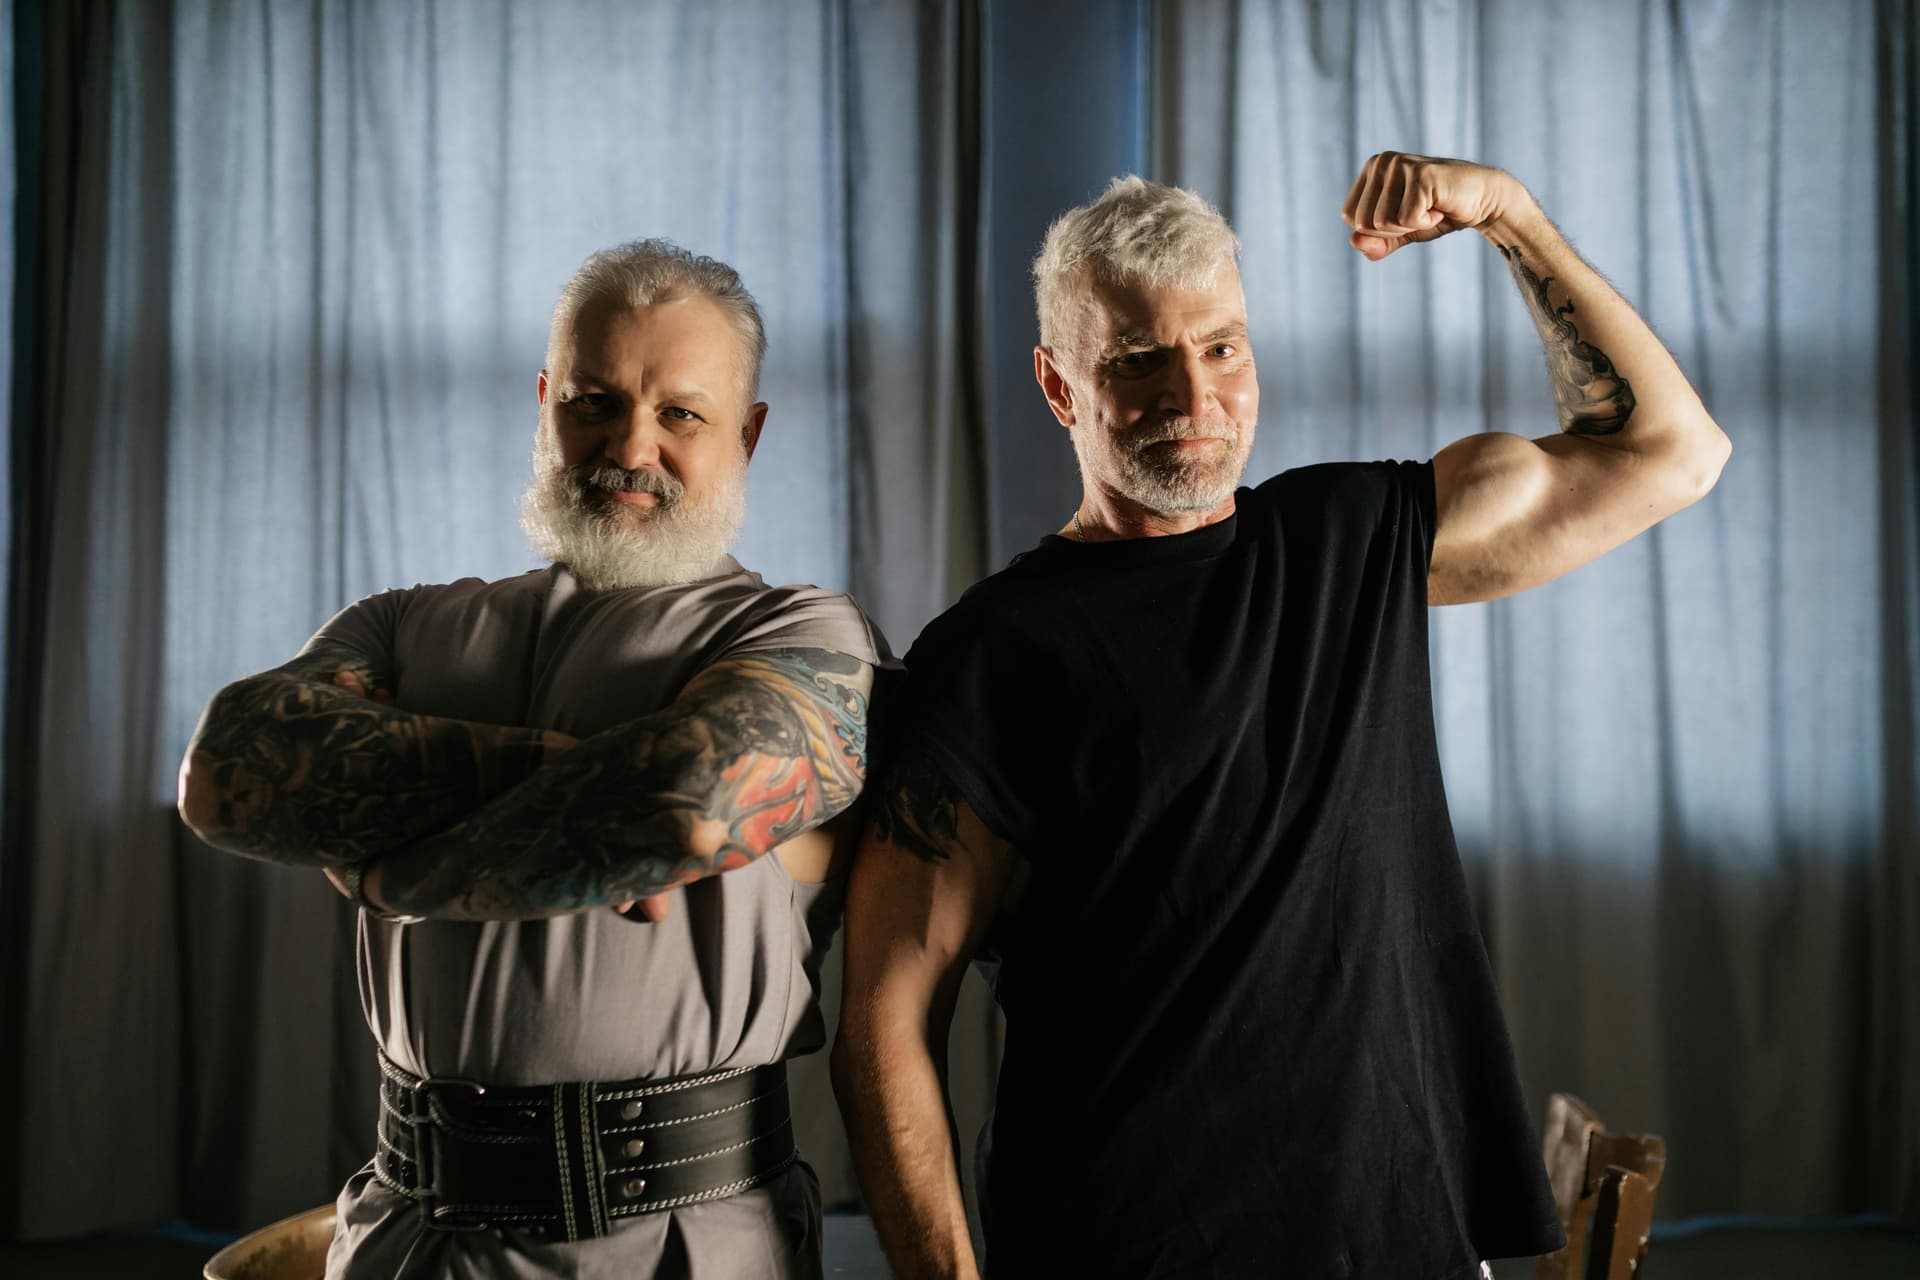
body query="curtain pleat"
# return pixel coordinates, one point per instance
(1893, 995)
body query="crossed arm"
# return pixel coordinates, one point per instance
(309, 764)
(928, 880)
(1635, 444)
(466, 821)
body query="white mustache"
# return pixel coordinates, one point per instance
(1186, 429)
(605, 474)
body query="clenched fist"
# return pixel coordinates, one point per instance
(1401, 199)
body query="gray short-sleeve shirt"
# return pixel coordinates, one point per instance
(731, 977)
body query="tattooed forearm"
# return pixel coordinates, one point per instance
(1594, 399)
(756, 750)
(919, 811)
(290, 767)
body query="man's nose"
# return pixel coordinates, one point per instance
(1189, 390)
(633, 443)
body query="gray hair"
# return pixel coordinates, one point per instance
(643, 272)
(1137, 232)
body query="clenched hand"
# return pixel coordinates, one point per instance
(1401, 199)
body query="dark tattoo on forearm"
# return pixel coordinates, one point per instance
(290, 768)
(756, 750)
(1594, 399)
(919, 811)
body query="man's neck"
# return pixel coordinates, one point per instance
(1112, 517)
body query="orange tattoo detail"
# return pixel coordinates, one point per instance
(775, 799)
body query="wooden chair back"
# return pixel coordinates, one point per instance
(1603, 1179)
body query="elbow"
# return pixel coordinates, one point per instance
(1692, 466)
(198, 800)
(1710, 460)
(203, 798)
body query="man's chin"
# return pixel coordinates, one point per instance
(1184, 492)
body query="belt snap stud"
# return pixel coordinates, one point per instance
(632, 1188)
(631, 1111)
(635, 1146)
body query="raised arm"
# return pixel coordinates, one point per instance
(927, 882)
(1635, 444)
(754, 751)
(308, 765)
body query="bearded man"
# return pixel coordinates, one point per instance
(486, 766)
(1173, 772)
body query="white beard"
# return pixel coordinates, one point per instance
(608, 546)
(1171, 484)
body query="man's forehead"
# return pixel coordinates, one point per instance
(690, 331)
(610, 318)
(1128, 310)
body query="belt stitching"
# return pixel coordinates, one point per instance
(668, 1124)
(704, 1155)
(732, 1188)
(380, 1139)
(560, 1153)
(388, 1181)
(494, 1212)
(674, 1086)
(591, 1163)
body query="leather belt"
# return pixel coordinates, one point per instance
(571, 1160)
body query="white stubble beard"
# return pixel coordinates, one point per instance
(609, 546)
(1182, 488)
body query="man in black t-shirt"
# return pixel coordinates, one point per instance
(1172, 774)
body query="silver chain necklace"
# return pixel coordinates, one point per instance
(1078, 532)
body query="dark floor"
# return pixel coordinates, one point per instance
(1748, 1250)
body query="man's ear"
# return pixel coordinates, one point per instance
(543, 388)
(750, 429)
(1053, 385)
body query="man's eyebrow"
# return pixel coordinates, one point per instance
(577, 378)
(1147, 342)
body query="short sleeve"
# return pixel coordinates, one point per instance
(370, 627)
(980, 706)
(1377, 507)
(1418, 508)
(807, 618)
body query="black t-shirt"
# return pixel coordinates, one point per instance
(1251, 1029)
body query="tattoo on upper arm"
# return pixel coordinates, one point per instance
(756, 750)
(1594, 399)
(292, 768)
(919, 811)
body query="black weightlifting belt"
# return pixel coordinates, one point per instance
(569, 1161)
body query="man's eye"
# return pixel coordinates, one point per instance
(679, 414)
(590, 404)
(1224, 349)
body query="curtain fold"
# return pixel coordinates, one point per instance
(1682, 777)
(1893, 1098)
